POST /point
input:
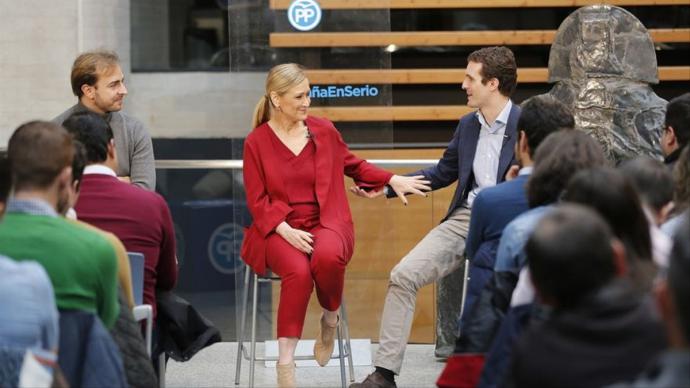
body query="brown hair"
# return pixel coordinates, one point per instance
(279, 79)
(497, 62)
(88, 66)
(38, 151)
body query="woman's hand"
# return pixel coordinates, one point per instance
(366, 194)
(299, 239)
(409, 185)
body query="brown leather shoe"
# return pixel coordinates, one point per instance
(374, 380)
(285, 375)
(325, 342)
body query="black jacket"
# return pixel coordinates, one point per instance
(487, 314)
(608, 338)
(127, 335)
(183, 331)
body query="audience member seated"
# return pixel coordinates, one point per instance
(27, 306)
(126, 332)
(124, 273)
(672, 368)
(494, 207)
(609, 193)
(600, 330)
(676, 133)
(81, 264)
(139, 218)
(613, 197)
(654, 184)
(681, 193)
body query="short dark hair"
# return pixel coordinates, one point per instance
(93, 132)
(678, 117)
(613, 196)
(652, 180)
(38, 151)
(679, 275)
(88, 66)
(541, 115)
(5, 178)
(556, 160)
(570, 255)
(497, 62)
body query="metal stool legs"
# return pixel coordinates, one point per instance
(344, 347)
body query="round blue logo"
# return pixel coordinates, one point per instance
(224, 248)
(304, 15)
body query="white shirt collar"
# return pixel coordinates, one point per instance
(501, 120)
(99, 169)
(526, 170)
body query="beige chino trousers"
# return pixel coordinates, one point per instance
(439, 253)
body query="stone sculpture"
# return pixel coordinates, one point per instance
(602, 62)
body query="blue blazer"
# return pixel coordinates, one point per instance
(457, 159)
(492, 210)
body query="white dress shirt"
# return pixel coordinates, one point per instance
(485, 165)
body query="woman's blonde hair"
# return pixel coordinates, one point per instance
(280, 79)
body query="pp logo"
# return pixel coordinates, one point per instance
(224, 248)
(304, 15)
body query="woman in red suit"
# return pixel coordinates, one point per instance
(302, 227)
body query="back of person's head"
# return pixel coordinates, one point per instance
(651, 179)
(610, 194)
(678, 118)
(681, 182)
(497, 62)
(570, 255)
(280, 79)
(38, 152)
(88, 66)
(556, 160)
(5, 181)
(679, 276)
(93, 132)
(542, 115)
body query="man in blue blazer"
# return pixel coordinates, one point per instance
(478, 156)
(496, 206)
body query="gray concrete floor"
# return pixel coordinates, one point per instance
(215, 367)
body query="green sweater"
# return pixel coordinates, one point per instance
(81, 264)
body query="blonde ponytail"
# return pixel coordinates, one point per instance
(262, 112)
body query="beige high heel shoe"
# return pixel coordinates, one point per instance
(286, 375)
(325, 342)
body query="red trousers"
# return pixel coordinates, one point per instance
(299, 273)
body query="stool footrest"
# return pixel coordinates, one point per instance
(245, 353)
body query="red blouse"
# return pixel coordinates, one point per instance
(299, 174)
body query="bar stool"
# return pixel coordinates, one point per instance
(344, 350)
